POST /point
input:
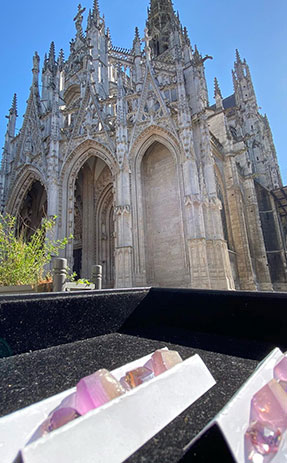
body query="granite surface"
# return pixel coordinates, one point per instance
(34, 376)
(35, 322)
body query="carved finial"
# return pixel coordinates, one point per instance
(217, 95)
(61, 59)
(79, 20)
(36, 62)
(185, 36)
(51, 58)
(96, 9)
(137, 35)
(217, 91)
(13, 109)
(137, 43)
(238, 59)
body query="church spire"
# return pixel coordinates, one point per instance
(161, 21)
(243, 85)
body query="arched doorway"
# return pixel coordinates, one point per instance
(32, 210)
(163, 225)
(93, 221)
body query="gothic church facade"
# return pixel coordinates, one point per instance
(155, 184)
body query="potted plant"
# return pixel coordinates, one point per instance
(24, 263)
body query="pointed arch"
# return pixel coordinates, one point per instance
(150, 135)
(69, 173)
(164, 149)
(26, 177)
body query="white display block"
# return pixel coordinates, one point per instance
(112, 432)
(233, 419)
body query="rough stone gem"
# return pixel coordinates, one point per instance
(163, 360)
(97, 389)
(262, 442)
(138, 376)
(63, 414)
(269, 405)
(280, 373)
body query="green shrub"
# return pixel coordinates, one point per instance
(24, 262)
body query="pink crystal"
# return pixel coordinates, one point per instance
(138, 376)
(97, 389)
(163, 360)
(262, 442)
(280, 373)
(269, 405)
(63, 414)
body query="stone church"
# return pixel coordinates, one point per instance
(156, 184)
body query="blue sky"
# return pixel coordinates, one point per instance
(256, 27)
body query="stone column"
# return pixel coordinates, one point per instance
(123, 229)
(220, 272)
(256, 239)
(238, 226)
(195, 230)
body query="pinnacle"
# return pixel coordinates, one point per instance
(137, 35)
(61, 57)
(238, 59)
(13, 109)
(96, 8)
(185, 35)
(52, 53)
(217, 91)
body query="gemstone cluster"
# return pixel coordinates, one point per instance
(101, 387)
(268, 418)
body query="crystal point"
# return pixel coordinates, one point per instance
(97, 389)
(163, 360)
(269, 405)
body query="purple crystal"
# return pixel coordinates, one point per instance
(269, 406)
(97, 389)
(63, 414)
(262, 442)
(280, 373)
